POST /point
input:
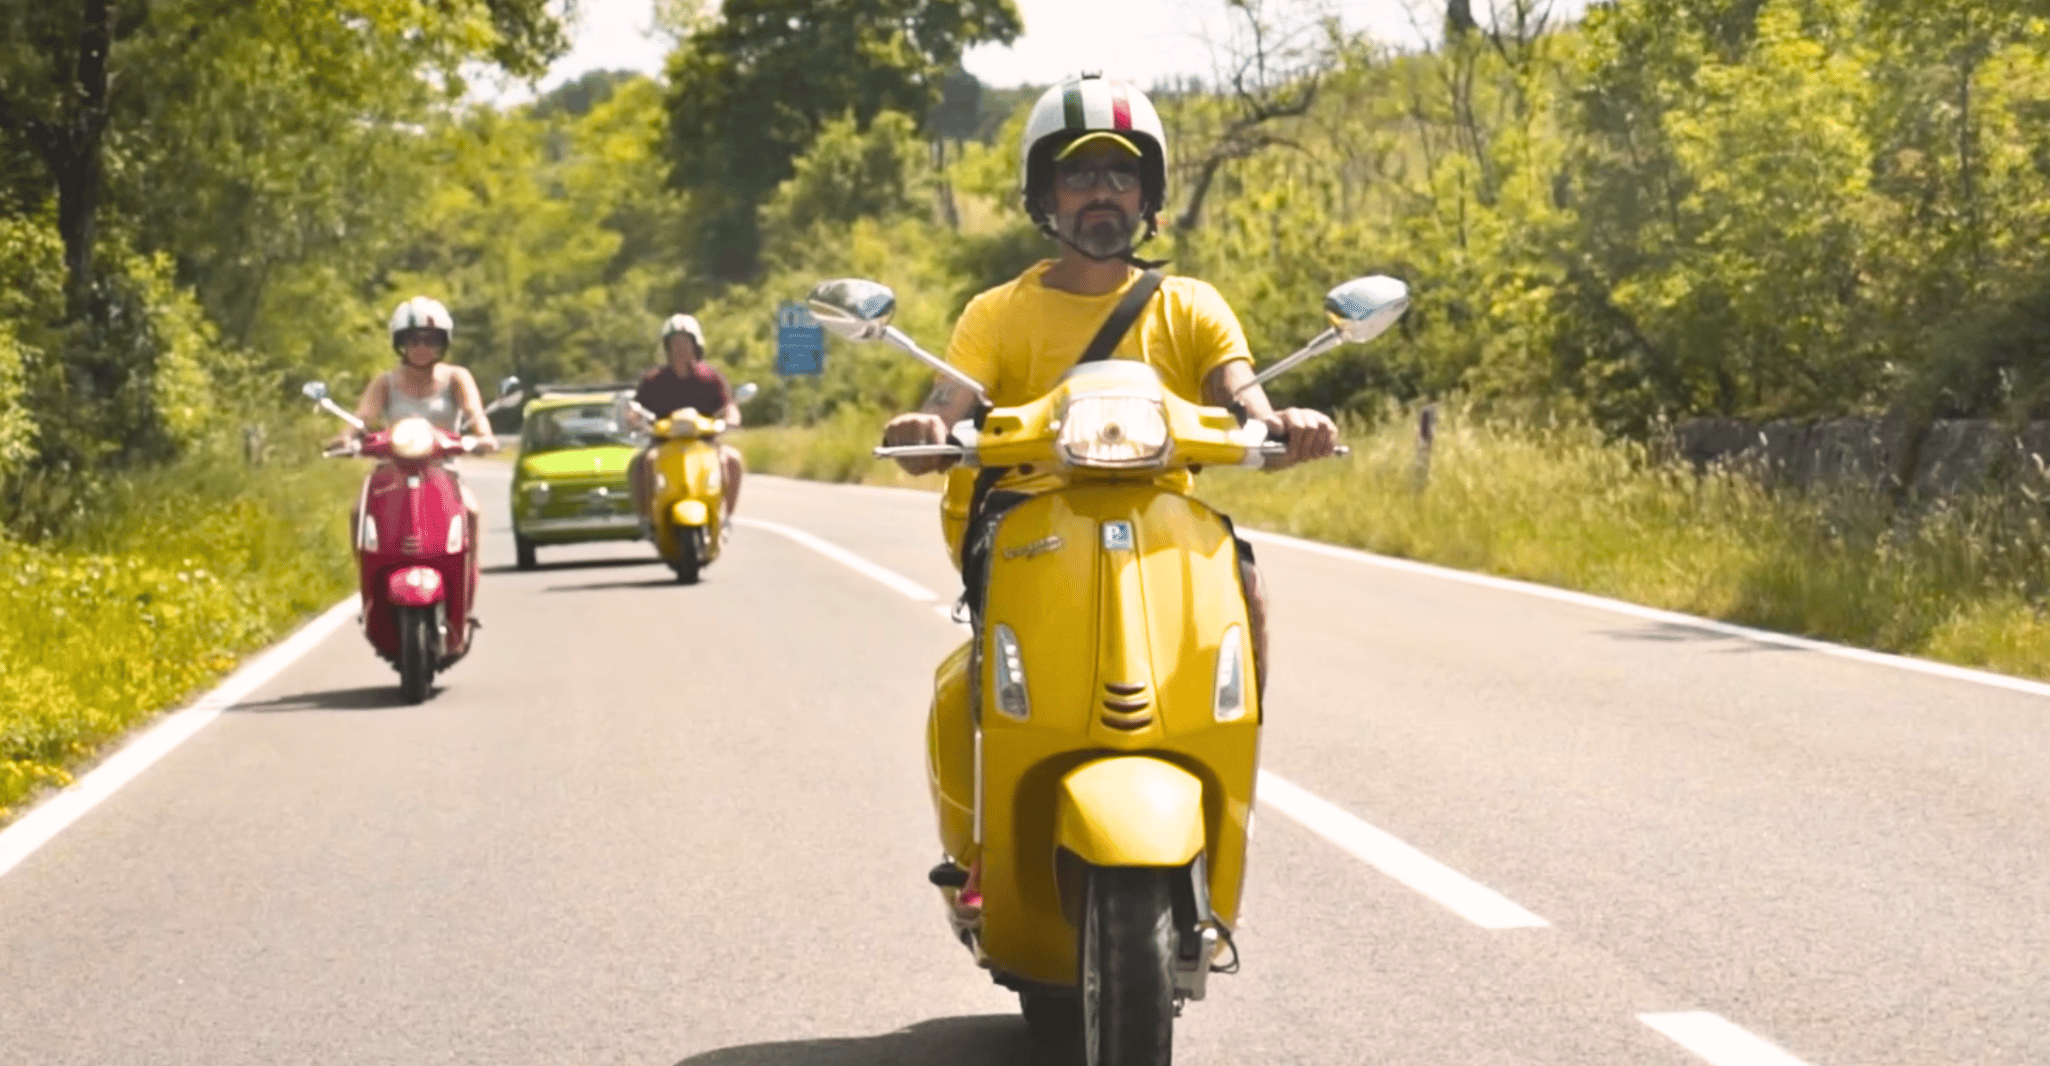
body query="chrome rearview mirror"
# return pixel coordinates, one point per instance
(1359, 310)
(1364, 308)
(315, 390)
(745, 392)
(853, 308)
(860, 310)
(507, 384)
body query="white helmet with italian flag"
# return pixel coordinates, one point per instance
(1093, 107)
(421, 313)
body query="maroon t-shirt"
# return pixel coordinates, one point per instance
(664, 391)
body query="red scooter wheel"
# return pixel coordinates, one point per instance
(416, 652)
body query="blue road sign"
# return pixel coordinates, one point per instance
(800, 341)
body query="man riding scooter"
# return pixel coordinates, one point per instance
(685, 380)
(1094, 170)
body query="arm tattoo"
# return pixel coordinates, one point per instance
(942, 396)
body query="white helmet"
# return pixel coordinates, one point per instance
(683, 324)
(421, 313)
(1086, 105)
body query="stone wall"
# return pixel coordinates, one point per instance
(1945, 458)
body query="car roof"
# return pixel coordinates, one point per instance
(551, 400)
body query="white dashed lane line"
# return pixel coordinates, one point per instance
(1717, 1040)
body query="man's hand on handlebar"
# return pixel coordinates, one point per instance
(918, 428)
(1308, 434)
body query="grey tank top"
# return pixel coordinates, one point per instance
(438, 409)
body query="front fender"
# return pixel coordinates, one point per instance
(689, 513)
(415, 586)
(1131, 810)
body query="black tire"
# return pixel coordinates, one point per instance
(523, 552)
(686, 563)
(1126, 968)
(416, 652)
(1053, 1020)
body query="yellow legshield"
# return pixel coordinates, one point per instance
(689, 513)
(1131, 810)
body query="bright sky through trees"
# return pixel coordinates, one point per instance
(1137, 39)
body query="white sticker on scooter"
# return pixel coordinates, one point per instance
(1117, 536)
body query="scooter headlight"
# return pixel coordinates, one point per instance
(1231, 677)
(455, 535)
(1114, 432)
(412, 438)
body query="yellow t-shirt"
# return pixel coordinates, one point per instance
(1020, 337)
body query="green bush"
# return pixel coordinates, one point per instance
(183, 569)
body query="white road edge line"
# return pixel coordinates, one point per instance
(1432, 879)
(1653, 614)
(1718, 1040)
(1440, 883)
(55, 814)
(1603, 603)
(844, 557)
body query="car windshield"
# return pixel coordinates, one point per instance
(591, 425)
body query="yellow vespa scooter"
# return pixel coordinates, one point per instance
(686, 505)
(1095, 746)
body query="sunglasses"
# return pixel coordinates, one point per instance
(1121, 177)
(433, 338)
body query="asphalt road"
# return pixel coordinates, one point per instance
(653, 824)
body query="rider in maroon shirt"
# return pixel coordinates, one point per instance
(687, 381)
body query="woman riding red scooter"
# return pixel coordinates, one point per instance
(418, 559)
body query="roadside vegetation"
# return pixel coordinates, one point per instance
(185, 568)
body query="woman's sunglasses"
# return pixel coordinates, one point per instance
(433, 338)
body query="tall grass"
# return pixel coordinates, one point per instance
(1963, 581)
(175, 573)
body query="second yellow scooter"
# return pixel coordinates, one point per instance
(1093, 749)
(686, 507)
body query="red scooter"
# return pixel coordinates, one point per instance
(415, 553)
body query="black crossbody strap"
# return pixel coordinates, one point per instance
(1106, 341)
(1121, 318)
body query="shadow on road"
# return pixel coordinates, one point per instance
(660, 582)
(575, 564)
(989, 1040)
(1675, 633)
(371, 698)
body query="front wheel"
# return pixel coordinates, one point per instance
(416, 652)
(523, 552)
(1127, 968)
(687, 562)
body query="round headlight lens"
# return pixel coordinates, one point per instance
(412, 438)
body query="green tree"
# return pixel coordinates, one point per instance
(749, 92)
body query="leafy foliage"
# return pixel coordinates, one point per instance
(749, 93)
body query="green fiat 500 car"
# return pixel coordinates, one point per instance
(570, 486)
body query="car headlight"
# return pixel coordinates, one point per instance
(1115, 432)
(412, 438)
(537, 495)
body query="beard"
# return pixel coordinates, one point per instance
(1104, 234)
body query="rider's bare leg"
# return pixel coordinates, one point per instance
(637, 480)
(731, 468)
(1256, 617)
